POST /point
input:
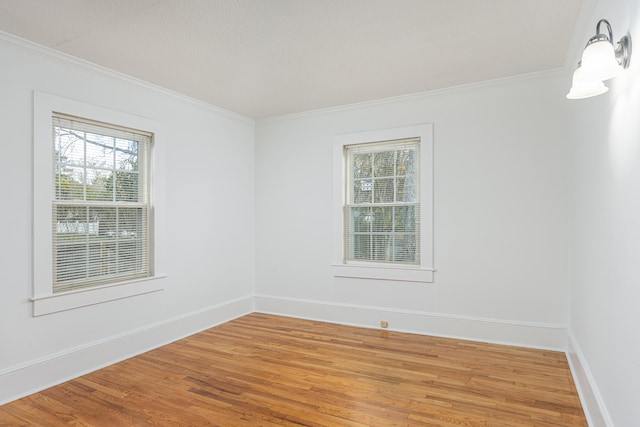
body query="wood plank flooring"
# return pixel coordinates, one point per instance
(264, 370)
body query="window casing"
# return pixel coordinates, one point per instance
(102, 233)
(383, 204)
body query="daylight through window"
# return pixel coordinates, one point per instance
(101, 206)
(382, 215)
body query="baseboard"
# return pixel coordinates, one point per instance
(37, 375)
(592, 403)
(533, 335)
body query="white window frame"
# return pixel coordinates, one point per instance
(385, 271)
(45, 301)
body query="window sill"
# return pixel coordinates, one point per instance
(53, 303)
(383, 272)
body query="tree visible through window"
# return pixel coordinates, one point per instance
(382, 209)
(101, 230)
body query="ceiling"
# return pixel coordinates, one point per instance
(262, 58)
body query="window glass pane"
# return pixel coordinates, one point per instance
(126, 155)
(382, 221)
(69, 264)
(383, 191)
(362, 191)
(380, 247)
(99, 185)
(400, 189)
(129, 259)
(70, 237)
(403, 160)
(108, 259)
(105, 217)
(99, 150)
(361, 220)
(404, 248)
(404, 218)
(362, 165)
(69, 184)
(70, 223)
(69, 147)
(129, 222)
(101, 258)
(130, 240)
(383, 163)
(126, 186)
(362, 246)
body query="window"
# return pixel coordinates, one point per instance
(383, 205)
(98, 222)
(382, 214)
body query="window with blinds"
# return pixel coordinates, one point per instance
(101, 208)
(382, 209)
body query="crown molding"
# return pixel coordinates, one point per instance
(66, 59)
(562, 71)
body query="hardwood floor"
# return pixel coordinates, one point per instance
(264, 370)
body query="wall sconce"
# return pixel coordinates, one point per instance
(600, 62)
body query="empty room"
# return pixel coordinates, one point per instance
(320, 213)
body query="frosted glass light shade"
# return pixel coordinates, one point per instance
(599, 61)
(583, 87)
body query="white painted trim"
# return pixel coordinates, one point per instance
(592, 403)
(44, 301)
(61, 57)
(421, 273)
(499, 331)
(378, 272)
(420, 95)
(36, 375)
(53, 303)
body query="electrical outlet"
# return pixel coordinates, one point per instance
(384, 324)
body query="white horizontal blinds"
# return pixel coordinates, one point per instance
(382, 211)
(101, 207)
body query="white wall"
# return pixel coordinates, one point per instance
(500, 218)
(605, 233)
(209, 182)
(514, 226)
